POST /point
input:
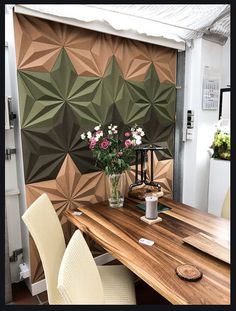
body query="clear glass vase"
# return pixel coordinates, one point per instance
(116, 190)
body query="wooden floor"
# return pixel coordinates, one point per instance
(144, 295)
(22, 296)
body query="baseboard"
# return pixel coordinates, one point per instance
(38, 287)
(103, 259)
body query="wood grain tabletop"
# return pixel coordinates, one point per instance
(119, 230)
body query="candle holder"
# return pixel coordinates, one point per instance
(139, 193)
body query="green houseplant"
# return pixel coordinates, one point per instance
(221, 145)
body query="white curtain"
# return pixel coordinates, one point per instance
(176, 23)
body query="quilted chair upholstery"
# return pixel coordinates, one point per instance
(80, 281)
(225, 213)
(45, 228)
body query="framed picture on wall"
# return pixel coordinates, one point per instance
(224, 109)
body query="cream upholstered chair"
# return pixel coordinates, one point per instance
(225, 213)
(44, 226)
(80, 281)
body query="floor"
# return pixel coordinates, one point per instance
(22, 296)
(144, 295)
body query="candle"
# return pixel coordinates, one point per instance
(151, 207)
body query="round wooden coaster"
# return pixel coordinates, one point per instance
(188, 272)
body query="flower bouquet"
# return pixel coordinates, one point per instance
(114, 155)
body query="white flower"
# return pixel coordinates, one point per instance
(83, 136)
(97, 128)
(110, 126)
(89, 134)
(98, 135)
(109, 132)
(115, 127)
(138, 141)
(135, 135)
(115, 131)
(140, 131)
(96, 138)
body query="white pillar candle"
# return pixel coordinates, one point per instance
(151, 207)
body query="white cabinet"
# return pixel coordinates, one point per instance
(219, 183)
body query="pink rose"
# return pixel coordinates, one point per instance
(120, 153)
(92, 143)
(104, 144)
(128, 143)
(127, 134)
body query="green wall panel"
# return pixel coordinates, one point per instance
(57, 106)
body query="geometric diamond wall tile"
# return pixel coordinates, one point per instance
(96, 105)
(162, 173)
(85, 52)
(69, 189)
(164, 60)
(135, 57)
(131, 108)
(150, 104)
(38, 42)
(35, 110)
(159, 135)
(161, 95)
(44, 148)
(132, 59)
(48, 91)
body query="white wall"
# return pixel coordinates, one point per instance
(11, 188)
(196, 158)
(14, 177)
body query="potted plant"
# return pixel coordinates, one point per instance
(221, 145)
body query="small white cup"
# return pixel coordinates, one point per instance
(151, 207)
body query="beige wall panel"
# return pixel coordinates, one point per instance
(163, 174)
(38, 42)
(164, 60)
(90, 52)
(135, 57)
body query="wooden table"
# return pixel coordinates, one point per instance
(118, 231)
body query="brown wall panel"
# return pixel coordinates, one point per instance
(39, 41)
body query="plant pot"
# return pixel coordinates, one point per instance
(116, 190)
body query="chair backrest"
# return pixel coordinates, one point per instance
(79, 280)
(225, 213)
(45, 228)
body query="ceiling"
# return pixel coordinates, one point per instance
(172, 25)
(188, 21)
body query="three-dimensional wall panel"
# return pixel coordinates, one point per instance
(71, 79)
